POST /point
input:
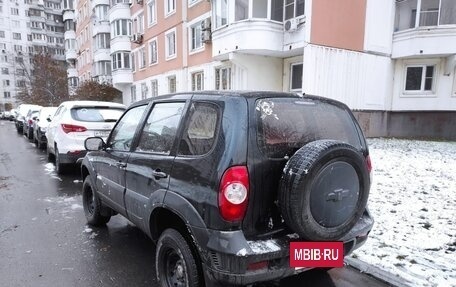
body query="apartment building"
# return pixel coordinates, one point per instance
(26, 27)
(393, 62)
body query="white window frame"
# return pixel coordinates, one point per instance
(154, 88)
(144, 90)
(190, 38)
(421, 92)
(167, 50)
(291, 76)
(149, 45)
(133, 93)
(149, 18)
(142, 58)
(194, 81)
(169, 78)
(229, 80)
(192, 3)
(168, 11)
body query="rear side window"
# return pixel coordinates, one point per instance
(200, 133)
(159, 133)
(286, 124)
(96, 114)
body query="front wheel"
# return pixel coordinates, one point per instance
(92, 205)
(174, 261)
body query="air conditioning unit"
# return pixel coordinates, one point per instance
(206, 36)
(293, 24)
(139, 2)
(137, 38)
(206, 24)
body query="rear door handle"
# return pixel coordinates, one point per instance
(121, 165)
(159, 174)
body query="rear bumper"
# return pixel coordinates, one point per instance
(71, 158)
(229, 254)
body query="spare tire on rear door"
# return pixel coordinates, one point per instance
(324, 189)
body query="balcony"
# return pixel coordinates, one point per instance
(101, 27)
(119, 11)
(99, 2)
(68, 15)
(72, 72)
(268, 28)
(69, 35)
(70, 54)
(430, 32)
(122, 77)
(101, 55)
(120, 43)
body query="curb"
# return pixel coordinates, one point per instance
(363, 267)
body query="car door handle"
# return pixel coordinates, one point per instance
(121, 165)
(159, 174)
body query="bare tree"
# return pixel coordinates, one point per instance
(94, 91)
(46, 84)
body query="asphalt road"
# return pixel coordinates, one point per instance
(44, 240)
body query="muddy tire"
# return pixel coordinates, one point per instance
(324, 189)
(175, 262)
(93, 208)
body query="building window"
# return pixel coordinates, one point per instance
(259, 9)
(121, 27)
(152, 12)
(16, 36)
(103, 41)
(142, 58)
(296, 77)
(172, 84)
(223, 78)
(103, 68)
(221, 13)
(7, 94)
(430, 13)
(14, 11)
(198, 81)
(2, 34)
(241, 10)
(139, 24)
(171, 44)
(154, 88)
(73, 81)
(143, 91)
(101, 11)
(419, 78)
(133, 93)
(153, 53)
(5, 71)
(192, 2)
(170, 7)
(6, 83)
(293, 8)
(197, 42)
(121, 60)
(133, 61)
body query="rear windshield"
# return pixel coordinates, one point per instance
(287, 124)
(96, 114)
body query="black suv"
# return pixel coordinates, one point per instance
(224, 181)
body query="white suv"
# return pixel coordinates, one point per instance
(73, 122)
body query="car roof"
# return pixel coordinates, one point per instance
(91, 103)
(244, 94)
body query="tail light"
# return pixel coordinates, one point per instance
(73, 128)
(369, 163)
(233, 194)
(30, 122)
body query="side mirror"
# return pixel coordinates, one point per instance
(94, 144)
(48, 119)
(34, 118)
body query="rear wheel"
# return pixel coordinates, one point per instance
(174, 261)
(92, 205)
(60, 168)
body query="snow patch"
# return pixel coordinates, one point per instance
(413, 202)
(264, 246)
(242, 252)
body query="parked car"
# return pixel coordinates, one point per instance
(22, 111)
(224, 181)
(41, 124)
(2, 115)
(29, 121)
(73, 122)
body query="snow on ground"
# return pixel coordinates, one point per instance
(413, 202)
